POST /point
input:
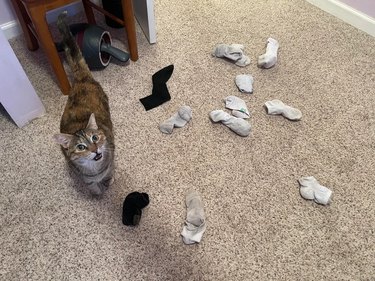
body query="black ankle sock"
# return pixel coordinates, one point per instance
(132, 207)
(160, 93)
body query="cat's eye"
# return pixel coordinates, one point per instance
(81, 147)
(95, 138)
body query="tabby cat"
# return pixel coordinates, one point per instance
(86, 130)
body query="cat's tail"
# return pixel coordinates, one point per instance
(76, 61)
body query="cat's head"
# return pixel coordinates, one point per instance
(86, 145)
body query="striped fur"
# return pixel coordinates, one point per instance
(86, 136)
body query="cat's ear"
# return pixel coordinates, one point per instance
(63, 139)
(92, 123)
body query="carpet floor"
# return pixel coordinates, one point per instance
(258, 225)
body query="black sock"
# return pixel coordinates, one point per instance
(160, 93)
(132, 207)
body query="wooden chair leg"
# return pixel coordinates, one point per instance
(127, 10)
(24, 19)
(38, 18)
(89, 12)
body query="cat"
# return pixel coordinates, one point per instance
(86, 130)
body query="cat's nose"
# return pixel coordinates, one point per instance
(98, 156)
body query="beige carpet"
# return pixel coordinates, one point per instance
(258, 226)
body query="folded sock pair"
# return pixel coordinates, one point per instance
(179, 119)
(277, 107)
(195, 224)
(233, 52)
(236, 121)
(311, 189)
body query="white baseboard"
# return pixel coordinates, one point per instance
(347, 14)
(11, 29)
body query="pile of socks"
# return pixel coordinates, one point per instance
(236, 122)
(235, 53)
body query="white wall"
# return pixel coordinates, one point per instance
(349, 12)
(6, 12)
(365, 6)
(9, 22)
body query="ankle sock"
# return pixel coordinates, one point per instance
(132, 207)
(269, 59)
(237, 125)
(233, 52)
(195, 224)
(160, 93)
(238, 107)
(310, 189)
(244, 83)
(179, 119)
(276, 107)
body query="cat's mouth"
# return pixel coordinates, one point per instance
(98, 156)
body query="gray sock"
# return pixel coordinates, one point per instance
(244, 83)
(195, 223)
(238, 107)
(179, 119)
(233, 52)
(276, 107)
(237, 125)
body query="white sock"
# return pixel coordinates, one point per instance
(238, 107)
(269, 59)
(310, 189)
(244, 83)
(233, 52)
(179, 119)
(276, 107)
(237, 125)
(195, 223)
(243, 61)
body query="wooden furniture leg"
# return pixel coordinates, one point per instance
(89, 13)
(24, 19)
(38, 17)
(127, 11)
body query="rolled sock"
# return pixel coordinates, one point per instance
(237, 125)
(276, 107)
(179, 119)
(195, 224)
(269, 59)
(233, 52)
(244, 83)
(132, 207)
(238, 107)
(310, 189)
